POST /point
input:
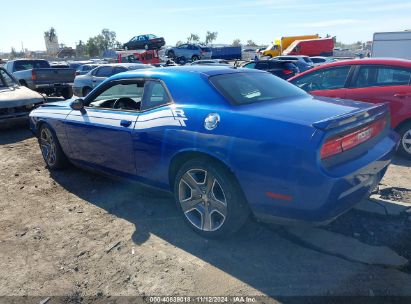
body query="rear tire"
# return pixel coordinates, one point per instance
(210, 198)
(67, 93)
(404, 148)
(171, 54)
(51, 151)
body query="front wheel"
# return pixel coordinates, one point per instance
(405, 143)
(52, 153)
(210, 198)
(195, 58)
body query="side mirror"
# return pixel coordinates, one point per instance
(77, 105)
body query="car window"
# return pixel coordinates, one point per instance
(117, 70)
(250, 65)
(132, 91)
(155, 95)
(245, 88)
(324, 79)
(6, 80)
(393, 76)
(262, 66)
(317, 60)
(183, 46)
(103, 71)
(22, 65)
(308, 60)
(151, 36)
(142, 38)
(369, 76)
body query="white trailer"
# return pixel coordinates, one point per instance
(392, 44)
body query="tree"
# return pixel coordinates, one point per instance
(13, 53)
(50, 34)
(193, 38)
(251, 43)
(80, 49)
(109, 39)
(210, 37)
(96, 45)
(237, 42)
(92, 47)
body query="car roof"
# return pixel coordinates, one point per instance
(367, 61)
(173, 71)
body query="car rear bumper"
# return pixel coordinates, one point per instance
(321, 200)
(55, 86)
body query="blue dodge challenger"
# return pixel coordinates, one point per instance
(227, 142)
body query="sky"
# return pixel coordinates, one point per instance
(262, 21)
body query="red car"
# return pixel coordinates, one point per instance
(369, 80)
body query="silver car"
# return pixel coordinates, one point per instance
(16, 101)
(189, 52)
(84, 84)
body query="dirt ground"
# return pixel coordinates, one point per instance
(71, 233)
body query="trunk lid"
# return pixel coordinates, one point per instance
(52, 75)
(320, 112)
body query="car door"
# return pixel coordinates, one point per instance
(158, 117)
(100, 74)
(181, 51)
(328, 82)
(101, 135)
(380, 83)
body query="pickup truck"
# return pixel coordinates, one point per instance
(39, 76)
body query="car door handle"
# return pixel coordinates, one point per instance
(125, 123)
(402, 94)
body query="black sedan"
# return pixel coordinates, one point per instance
(282, 69)
(148, 42)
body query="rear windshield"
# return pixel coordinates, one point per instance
(22, 65)
(245, 88)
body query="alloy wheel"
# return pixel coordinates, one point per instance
(406, 141)
(202, 199)
(48, 146)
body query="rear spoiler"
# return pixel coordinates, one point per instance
(367, 114)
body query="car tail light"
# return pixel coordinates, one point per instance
(76, 73)
(33, 75)
(341, 143)
(287, 72)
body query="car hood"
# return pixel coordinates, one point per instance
(307, 109)
(58, 104)
(18, 96)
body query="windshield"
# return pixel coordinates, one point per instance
(245, 88)
(6, 80)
